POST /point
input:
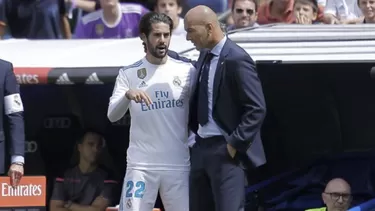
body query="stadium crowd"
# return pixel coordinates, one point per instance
(87, 19)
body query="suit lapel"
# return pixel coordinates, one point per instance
(219, 70)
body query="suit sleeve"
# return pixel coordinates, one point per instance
(250, 96)
(13, 109)
(118, 103)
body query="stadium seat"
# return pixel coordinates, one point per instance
(57, 138)
(34, 164)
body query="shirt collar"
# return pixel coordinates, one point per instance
(118, 20)
(219, 47)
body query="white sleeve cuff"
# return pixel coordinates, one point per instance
(191, 140)
(17, 159)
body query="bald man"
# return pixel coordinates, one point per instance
(226, 113)
(336, 196)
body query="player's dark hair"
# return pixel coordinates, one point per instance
(145, 25)
(86, 131)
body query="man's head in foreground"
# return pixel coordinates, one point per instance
(337, 195)
(155, 31)
(202, 27)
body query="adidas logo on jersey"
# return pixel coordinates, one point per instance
(93, 79)
(143, 84)
(64, 80)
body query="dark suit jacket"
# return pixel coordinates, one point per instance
(11, 122)
(238, 103)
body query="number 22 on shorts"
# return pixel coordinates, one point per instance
(139, 189)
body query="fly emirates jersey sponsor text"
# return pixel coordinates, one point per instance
(158, 132)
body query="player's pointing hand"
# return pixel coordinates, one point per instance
(138, 96)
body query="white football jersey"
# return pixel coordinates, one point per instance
(159, 132)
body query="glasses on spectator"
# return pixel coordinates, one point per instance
(336, 196)
(249, 11)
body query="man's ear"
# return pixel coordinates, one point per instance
(209, 27)
(179, 10)
(315, 16)
(79, 148)
(143, 37)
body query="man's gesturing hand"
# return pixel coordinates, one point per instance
(15, 173)
(138, 96)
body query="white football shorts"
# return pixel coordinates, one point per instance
(141, 187)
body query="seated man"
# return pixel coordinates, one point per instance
(337, 196)
(86, 185)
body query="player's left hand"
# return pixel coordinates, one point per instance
(232, 151)
(15, 173)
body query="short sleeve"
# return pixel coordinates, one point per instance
(330, 7)
(58, 190)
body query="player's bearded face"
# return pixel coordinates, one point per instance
(158, 41)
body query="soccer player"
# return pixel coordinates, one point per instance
(156, 90)
(114, 20)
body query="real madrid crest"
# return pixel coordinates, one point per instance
(176, 81)
(17, 100)
(142, 73)
(99, 29)
(129, 203)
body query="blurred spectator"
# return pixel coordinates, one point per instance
(244, 14)
(86, 185)
(173, 9)
(276, 11)
(306, 11)
(368, 10)
(114, 20)
(280, 11)
(342, 12)
(92, 5)
(218, 6)
(86, 5)
(34, 19)
(336, 196)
